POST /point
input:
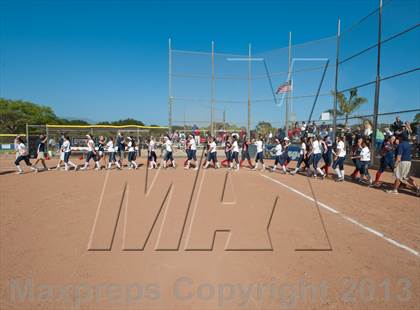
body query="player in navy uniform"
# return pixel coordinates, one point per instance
(387, 158)
(245, 153)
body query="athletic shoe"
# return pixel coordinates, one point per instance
(196, 168)
(323, 176)
(19, 172)
(97, 169)
(392, 191)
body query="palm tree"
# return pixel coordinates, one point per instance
(347, 106)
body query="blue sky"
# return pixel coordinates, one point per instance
(107, 60)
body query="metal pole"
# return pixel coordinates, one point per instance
(212, 90)
(170, 98)
(249, 90)
(288, 74)
(378, 83)
(224, 120)
(337, 53)
(27, 135)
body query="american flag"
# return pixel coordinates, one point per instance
(283, 88)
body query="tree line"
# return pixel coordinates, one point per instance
(15, 114)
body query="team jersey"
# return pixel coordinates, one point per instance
(152, 146)
(110, 146)
(356, 150)
(22, 149)
(365, 154)
(66, 146)
(91, 145)
(259, 145)
(227, 146)
(193, 145)
(245, 146)
(131, 146)
(387, 149)
(235, 146)
(341, 149)
(168, 146)
(41, 147)
(279, 149)
(316, 147)
(302, 148)
(212, 147)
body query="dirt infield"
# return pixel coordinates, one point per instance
(142, 239)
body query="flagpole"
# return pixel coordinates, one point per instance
(288, 93)
(249, 90)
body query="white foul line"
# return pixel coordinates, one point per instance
(371, 230)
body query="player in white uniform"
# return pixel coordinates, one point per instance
(235, 152)
(340, 154)
(169, 152)
(92, 154)
(151, 148)
(66, 150)
(22, 150)
(192, 153)
(317, 155)
(260, 154)
(212, 154)
(365, 162)
(112, 149)
(278, 151)
(131, 148)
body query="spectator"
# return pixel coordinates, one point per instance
(403, 166)
(397, 125)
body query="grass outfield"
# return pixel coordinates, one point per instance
(206, 239)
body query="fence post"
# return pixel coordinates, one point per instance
(377, 85)
(27, 135)
(337, 63)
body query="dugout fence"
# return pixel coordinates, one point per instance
(376, 56)
(77, 134)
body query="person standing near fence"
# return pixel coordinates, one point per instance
(403, 166)
(192, 153)
(235, 152)
(259, 158)
(91, 154)
(302, 156)
(326, 145)
(168, 152)
(121, 147)
(111, 154)
(212, 154)
(340, 154)
(365, 157)
(131, 148)
(317, 155)
(23, 155)
(66, 149)
(355, 157)
(387, 158)
(245, 152)
(151, 149)
(41, 150)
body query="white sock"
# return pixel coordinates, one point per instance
(320, 171)
(284, 168)
(109, 165)
(118, 164)
(342, 174)
(337, 170)
(66, 166)
(97, 164)
(19, 168)
(72, 164)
